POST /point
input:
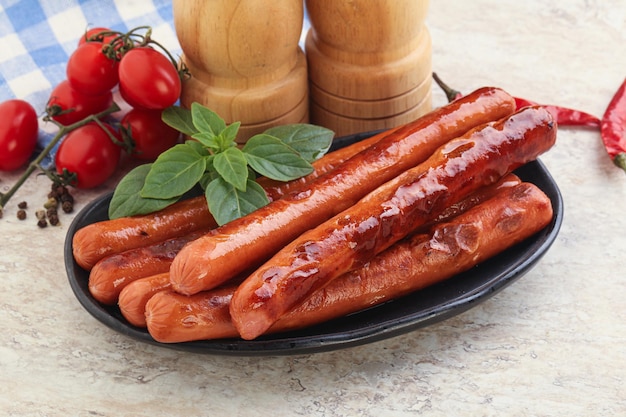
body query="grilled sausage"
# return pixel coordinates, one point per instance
(211, 260)
(135, 294)
(449, 248)
(419, 195)
(98, 240)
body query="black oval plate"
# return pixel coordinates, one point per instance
(393, 318)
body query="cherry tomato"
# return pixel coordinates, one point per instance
(18, 133)
(90, 71)
(148, 79)
(92, 35)
(66, 98)
(90, 153)
(150, 134)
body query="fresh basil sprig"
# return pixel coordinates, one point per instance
(213, 160)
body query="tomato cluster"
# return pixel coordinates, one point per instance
(103, 61)
(147, 80)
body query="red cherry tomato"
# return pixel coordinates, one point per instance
(150, 134)
(148, 79)
(66, 98)
(18, 133)
(92, 35)
(90, 71)
(90, 153)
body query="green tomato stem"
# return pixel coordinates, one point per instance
(35, 163)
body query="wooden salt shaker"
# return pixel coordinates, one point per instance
(369, 63)
(244, 60)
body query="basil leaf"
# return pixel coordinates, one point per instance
(174, 173)
(208, 140)
(180, 119)
(229, 135)
(310, 141)
(270, 157)
(127, 201)
(206, 120)
(232, 166)
(226, 203)
(198, 147)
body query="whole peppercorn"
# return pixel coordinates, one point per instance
(40, 214)
(42, 223)
(22, 205)
(53, 219)
(21, 214)
(67, 207)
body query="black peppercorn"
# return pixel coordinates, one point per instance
(67, 207)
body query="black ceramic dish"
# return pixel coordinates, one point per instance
(397, 317)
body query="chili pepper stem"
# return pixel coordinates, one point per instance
(451, 94)
(620, 160)
(63, 130)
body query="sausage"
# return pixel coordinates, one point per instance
(447, 249)
(133, 297)
(216, 257)
(111, 274)
(345, 242)
(425, 259)
(172, 317)
(96, 241)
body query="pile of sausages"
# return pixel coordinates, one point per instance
(376, 220)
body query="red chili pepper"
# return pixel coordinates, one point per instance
(613, 127)
(563, 115)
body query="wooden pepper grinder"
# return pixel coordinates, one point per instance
(369, 63)
(244, 60)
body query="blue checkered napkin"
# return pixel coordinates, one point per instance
(37, 38)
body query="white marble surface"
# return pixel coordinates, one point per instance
(552, 344)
